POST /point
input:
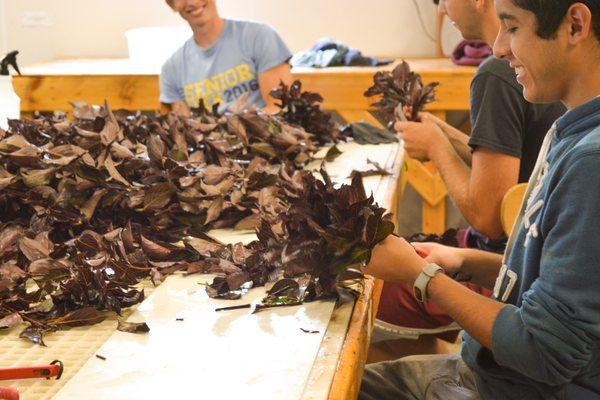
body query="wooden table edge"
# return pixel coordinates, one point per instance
(350, 367)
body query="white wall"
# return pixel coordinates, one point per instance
(45, 30)
(3, 35)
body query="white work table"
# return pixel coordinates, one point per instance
(225, 355)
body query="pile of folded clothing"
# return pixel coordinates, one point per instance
(330, 53)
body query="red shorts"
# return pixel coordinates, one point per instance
(398, 306)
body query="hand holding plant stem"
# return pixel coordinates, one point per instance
(422, 139)
(402, 94)
(458, 139)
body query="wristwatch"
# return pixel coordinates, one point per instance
(420, 285)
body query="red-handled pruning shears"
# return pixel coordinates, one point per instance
(54, 369)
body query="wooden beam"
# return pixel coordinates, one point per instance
(428, 183)
(434, 218)
(341, 87)
(49, 93)
(351, 365)
(345, 91)
(340, 91)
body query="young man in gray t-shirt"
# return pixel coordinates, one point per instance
(224, 59)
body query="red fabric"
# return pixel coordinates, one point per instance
(462, 237)
(398, 306)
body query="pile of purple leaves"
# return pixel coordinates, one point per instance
(90, 207)
(322, 235)
(304, 109)
(403, 94)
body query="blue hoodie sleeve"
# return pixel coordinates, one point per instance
(551, 336)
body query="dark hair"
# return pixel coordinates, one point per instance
(550, 14)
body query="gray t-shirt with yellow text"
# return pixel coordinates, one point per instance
(225, 71)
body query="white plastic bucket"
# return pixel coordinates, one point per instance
(154, 45)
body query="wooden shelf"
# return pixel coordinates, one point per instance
(50, 86)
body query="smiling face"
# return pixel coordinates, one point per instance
(195, 12)
(540, 64)
(463, 15)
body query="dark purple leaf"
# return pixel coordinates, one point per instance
(90, 205)
(10, 321)
(402, 94)
(33, 249)
(332, 153)
(80, 317)
(203, 247)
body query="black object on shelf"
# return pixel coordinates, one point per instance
(10, 60)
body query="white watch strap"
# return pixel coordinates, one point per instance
(420, 285)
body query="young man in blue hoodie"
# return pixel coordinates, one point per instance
(501, 150)
(539, 336)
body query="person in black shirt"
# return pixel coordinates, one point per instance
(506, 135)
(507, 132)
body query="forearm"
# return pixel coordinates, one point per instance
(473, 312)
(456, 176)
(395, 260)
(463, 150)
(481, 266)
(478, 200)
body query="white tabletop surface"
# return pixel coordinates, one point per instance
(231, 354)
